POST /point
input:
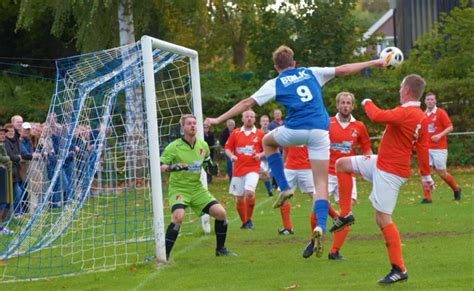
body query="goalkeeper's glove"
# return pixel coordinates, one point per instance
(210, 167)
(178, 167)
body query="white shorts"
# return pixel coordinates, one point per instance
(332, 187)
(385, 186)
(316, 139)
(238, 185)
(300, 178)
(263, 166)
(438, 159)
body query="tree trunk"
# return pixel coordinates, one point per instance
(135, 156)
(238, 49)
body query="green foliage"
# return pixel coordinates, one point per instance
(27, 97)
(446, 51)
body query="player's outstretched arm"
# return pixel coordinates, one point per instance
(348, 69)
(235, 110)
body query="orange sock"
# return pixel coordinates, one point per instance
(312, 220)
(332, 212)
(285, 210)
(427, 194)
(394, 247)
(241, 207)
(250, 206)
(450, 181)
(339, 238)
(344, 183)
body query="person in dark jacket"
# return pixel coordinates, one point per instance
(5, 166)
(13, 150)
(210, 139)
(225, 133)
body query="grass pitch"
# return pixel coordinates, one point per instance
(437, 244)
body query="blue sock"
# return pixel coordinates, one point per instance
(320, 209)
(276, 165)
(268, 186)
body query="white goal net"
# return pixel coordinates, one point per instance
(87, 203)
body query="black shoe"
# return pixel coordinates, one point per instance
(309, 249)
(223, 252)
(270, 194)
(285, 231)
(426, 201)
(247, 225)
(457, 194)
(335, 256)
(341, 222)
(394, 276)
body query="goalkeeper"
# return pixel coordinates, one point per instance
(184, 158)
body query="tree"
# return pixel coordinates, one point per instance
(95, 23)
(233, 21)
(321, 33)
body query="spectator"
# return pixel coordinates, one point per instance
(17, 121)
(210, 139)
(264, 169)
(277, 120)
(12, 147)
(5, 166)
(26, 151)
(225, 133)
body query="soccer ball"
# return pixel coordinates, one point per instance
(393, 57)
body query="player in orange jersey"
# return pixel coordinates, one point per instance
(389, 170)
(244, 148)
(298, 173)
(346, 134)
(439, 125)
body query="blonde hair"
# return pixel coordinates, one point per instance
(340, 94)
(283, 57)
(416, 83)
(184, 117)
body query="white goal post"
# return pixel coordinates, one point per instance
(148, 43)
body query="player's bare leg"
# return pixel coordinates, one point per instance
(320, 200)
(275, 162)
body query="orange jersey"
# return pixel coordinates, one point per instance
(438, 120)
(297, 158)
(405, 126)
(345, 140)
(245, 147)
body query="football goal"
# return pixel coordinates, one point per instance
(93, 194)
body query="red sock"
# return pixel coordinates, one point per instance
(427, 194)
(394, 247)
(312, 220)
(250, 206)
(339, 238)
(332, 212)
(285, 210)
(344, 183)
(241, 207)
(450, 181)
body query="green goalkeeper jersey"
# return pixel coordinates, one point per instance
(180, 151)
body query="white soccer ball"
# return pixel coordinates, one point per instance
(392, 56)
